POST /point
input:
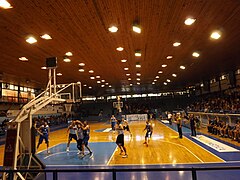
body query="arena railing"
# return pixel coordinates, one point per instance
(114, 171)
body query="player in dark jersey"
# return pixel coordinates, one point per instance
(149, 129)
(80, 139)
(72, 129)
(120, 139)
(44, 135)
(86, 137)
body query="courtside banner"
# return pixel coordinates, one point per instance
(136, 117)
(218, 146)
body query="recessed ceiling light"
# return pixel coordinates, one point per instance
(92, 77)
(120, 49)
(138, 65)
(174, 75)
(102, 85)
(138, 79)
(165, 83)
(189, 21)
(126, 69)
(176, 44)
(182, 67)
(5, 5)
(155, 80)
(91, 71)
(98, 82)
(215, 35)
(136, 29)
(138, 53)
(106, 83)
(195, 54)
(129, 79)
(97, 77)
(127, 74)
(81, 70)
(68, 54)
(23, 59)
(138, 74)
(59, 74)
(103, 80)
(160, 72)
(138, 83)
(164, 65)
(123, 60)
(90, 87)
(84, 85)
(113, 29)
(46, 36)
(43, 67)
(168, 80)
(169, 57)
(81, 64)
(130, 84)
(31, 40)
(157, 77)
(66, 59)
(110, 86)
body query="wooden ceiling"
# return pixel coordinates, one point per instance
(81, 27)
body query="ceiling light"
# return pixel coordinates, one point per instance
(103, 80)
(182, 67)
(5, 5)
(157, 77)
(119, 49)
(91, 71)
(138, 83)
(174, 75)
(110, 86)
(81, 70)
(138, 79)
(168, 80)
(176, 44)
(165, 83)
(81, 64)
(123, 60)
(23, 59)
(98, 82)
(130, 84)
(195, 54)
(59, 74)
(126, 69)
(113, 29)
(160, 72)
(84, 85)
(102, 85)
(138, 65)
(92, 77)
(31, 40)
(97, 77)
(138, 53)
(164, 65)
(136, 29)
(106, 83)
(43, 67)
(138, 74)
(215, 35)
(46, 36)
(68, 54)
(129, 79)
(169, 57)
(189, 21)
(90, 87)
(127, 74)
(155, 80)
(66, 59)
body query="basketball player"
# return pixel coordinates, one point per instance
(113, 122)
(44, 135)
(72, 129)
(149, 129)
(86, 137)
(120, 139)
(80, 139)
(126, 126)
(179, 124)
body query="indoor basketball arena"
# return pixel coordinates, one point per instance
(119, 89)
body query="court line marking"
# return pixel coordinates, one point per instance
(112, 155)
(195, 143)
(49, 148)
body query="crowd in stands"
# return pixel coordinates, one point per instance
(223, 129)
(226, 102)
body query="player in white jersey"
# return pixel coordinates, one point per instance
(126, 126)
(72, 129)
(120, 139)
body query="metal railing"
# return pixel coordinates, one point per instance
(114, 171)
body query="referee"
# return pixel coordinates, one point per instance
(179, 124)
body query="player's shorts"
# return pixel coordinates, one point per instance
(43, 137)
(72, 136)
(120, 140)
(85, 140)
(126, 128)
(148, 134)
(79, 144)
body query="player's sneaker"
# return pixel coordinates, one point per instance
(79, 152)
(90, 154)
(48, 152)
(125, 156)
(67, 149)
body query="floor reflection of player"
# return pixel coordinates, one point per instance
(44, 135)
(149, 129)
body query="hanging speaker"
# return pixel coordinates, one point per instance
(51, 62)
